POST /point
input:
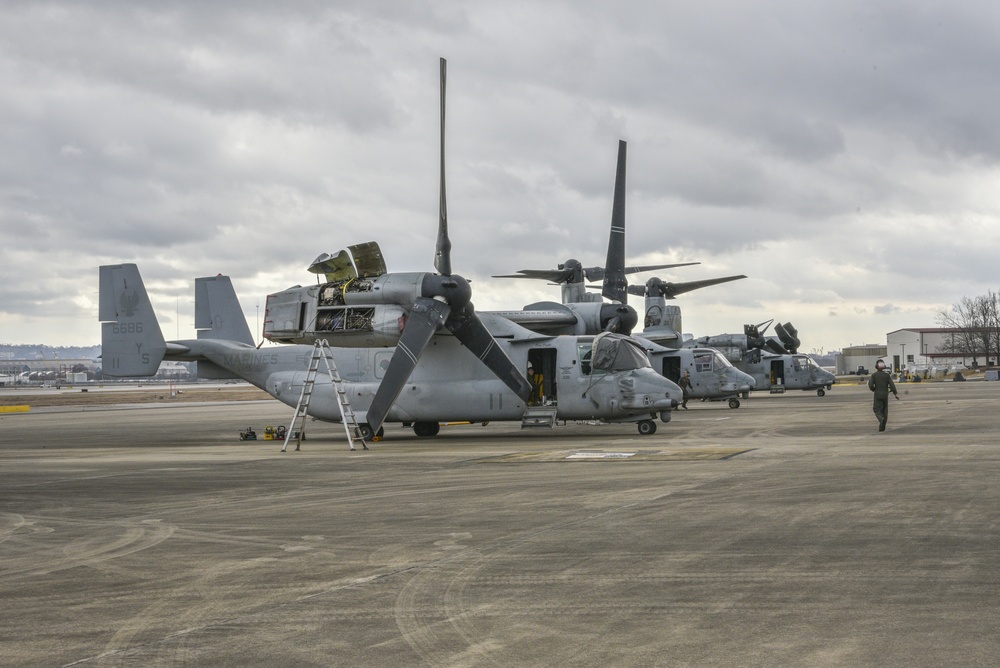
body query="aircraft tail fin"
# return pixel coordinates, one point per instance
(217, 311)
(131, 341)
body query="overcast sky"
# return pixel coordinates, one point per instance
(842, 155)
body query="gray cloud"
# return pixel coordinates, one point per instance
(843, 157)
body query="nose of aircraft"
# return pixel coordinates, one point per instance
(742, 382)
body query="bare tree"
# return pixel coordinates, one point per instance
(977, 320)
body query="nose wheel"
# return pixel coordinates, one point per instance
(734, 403)
(820, 392)
(647, 427)
(368, 435)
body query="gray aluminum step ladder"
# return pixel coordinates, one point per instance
(321, 351)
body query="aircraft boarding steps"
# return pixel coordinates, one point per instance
(321, 351)
(539, 416)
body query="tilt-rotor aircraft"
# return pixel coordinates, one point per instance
(775, 363)
(712, 376)
(447, 364)
(605, 378)
(775, 369)
(585, 312)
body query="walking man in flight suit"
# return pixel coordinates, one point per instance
(881, 384)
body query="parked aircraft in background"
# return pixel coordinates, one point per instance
(775, 363)
(712, 376)
(585, 311)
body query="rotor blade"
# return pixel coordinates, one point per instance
(654, 267)
(774, 346)
(469, 329)
(674, 289)
(598, 273)
(442, 256)
(788, 335)
(426, 317)
(637, 290)
(614, 266)
(553, 275)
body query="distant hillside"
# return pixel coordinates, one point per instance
(35, 351)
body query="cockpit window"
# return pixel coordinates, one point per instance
(709, 359)
(703, 360)
(805, 362)
(586, 352)
(720, 360)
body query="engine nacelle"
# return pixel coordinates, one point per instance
(338, 313)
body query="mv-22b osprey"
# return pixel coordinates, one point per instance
(721, 367)
(712, 376)
(775, 363)
(346, 310)
(606, 378)
(473, 374)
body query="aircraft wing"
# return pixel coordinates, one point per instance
(541, 319)
(662, 335)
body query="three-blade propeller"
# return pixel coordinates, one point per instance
(617, 316)
(444, 301)
(787, 334)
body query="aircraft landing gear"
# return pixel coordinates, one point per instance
(426, 429)
(734, 403)
(647, 427)
(820, 392)
(366, 432)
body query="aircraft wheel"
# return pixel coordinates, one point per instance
(647, 427)
(426, 429)
(821, 392)
(734, 403)
(366, 431)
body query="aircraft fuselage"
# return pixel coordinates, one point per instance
(448, 384)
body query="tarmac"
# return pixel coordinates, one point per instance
(788, 532)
